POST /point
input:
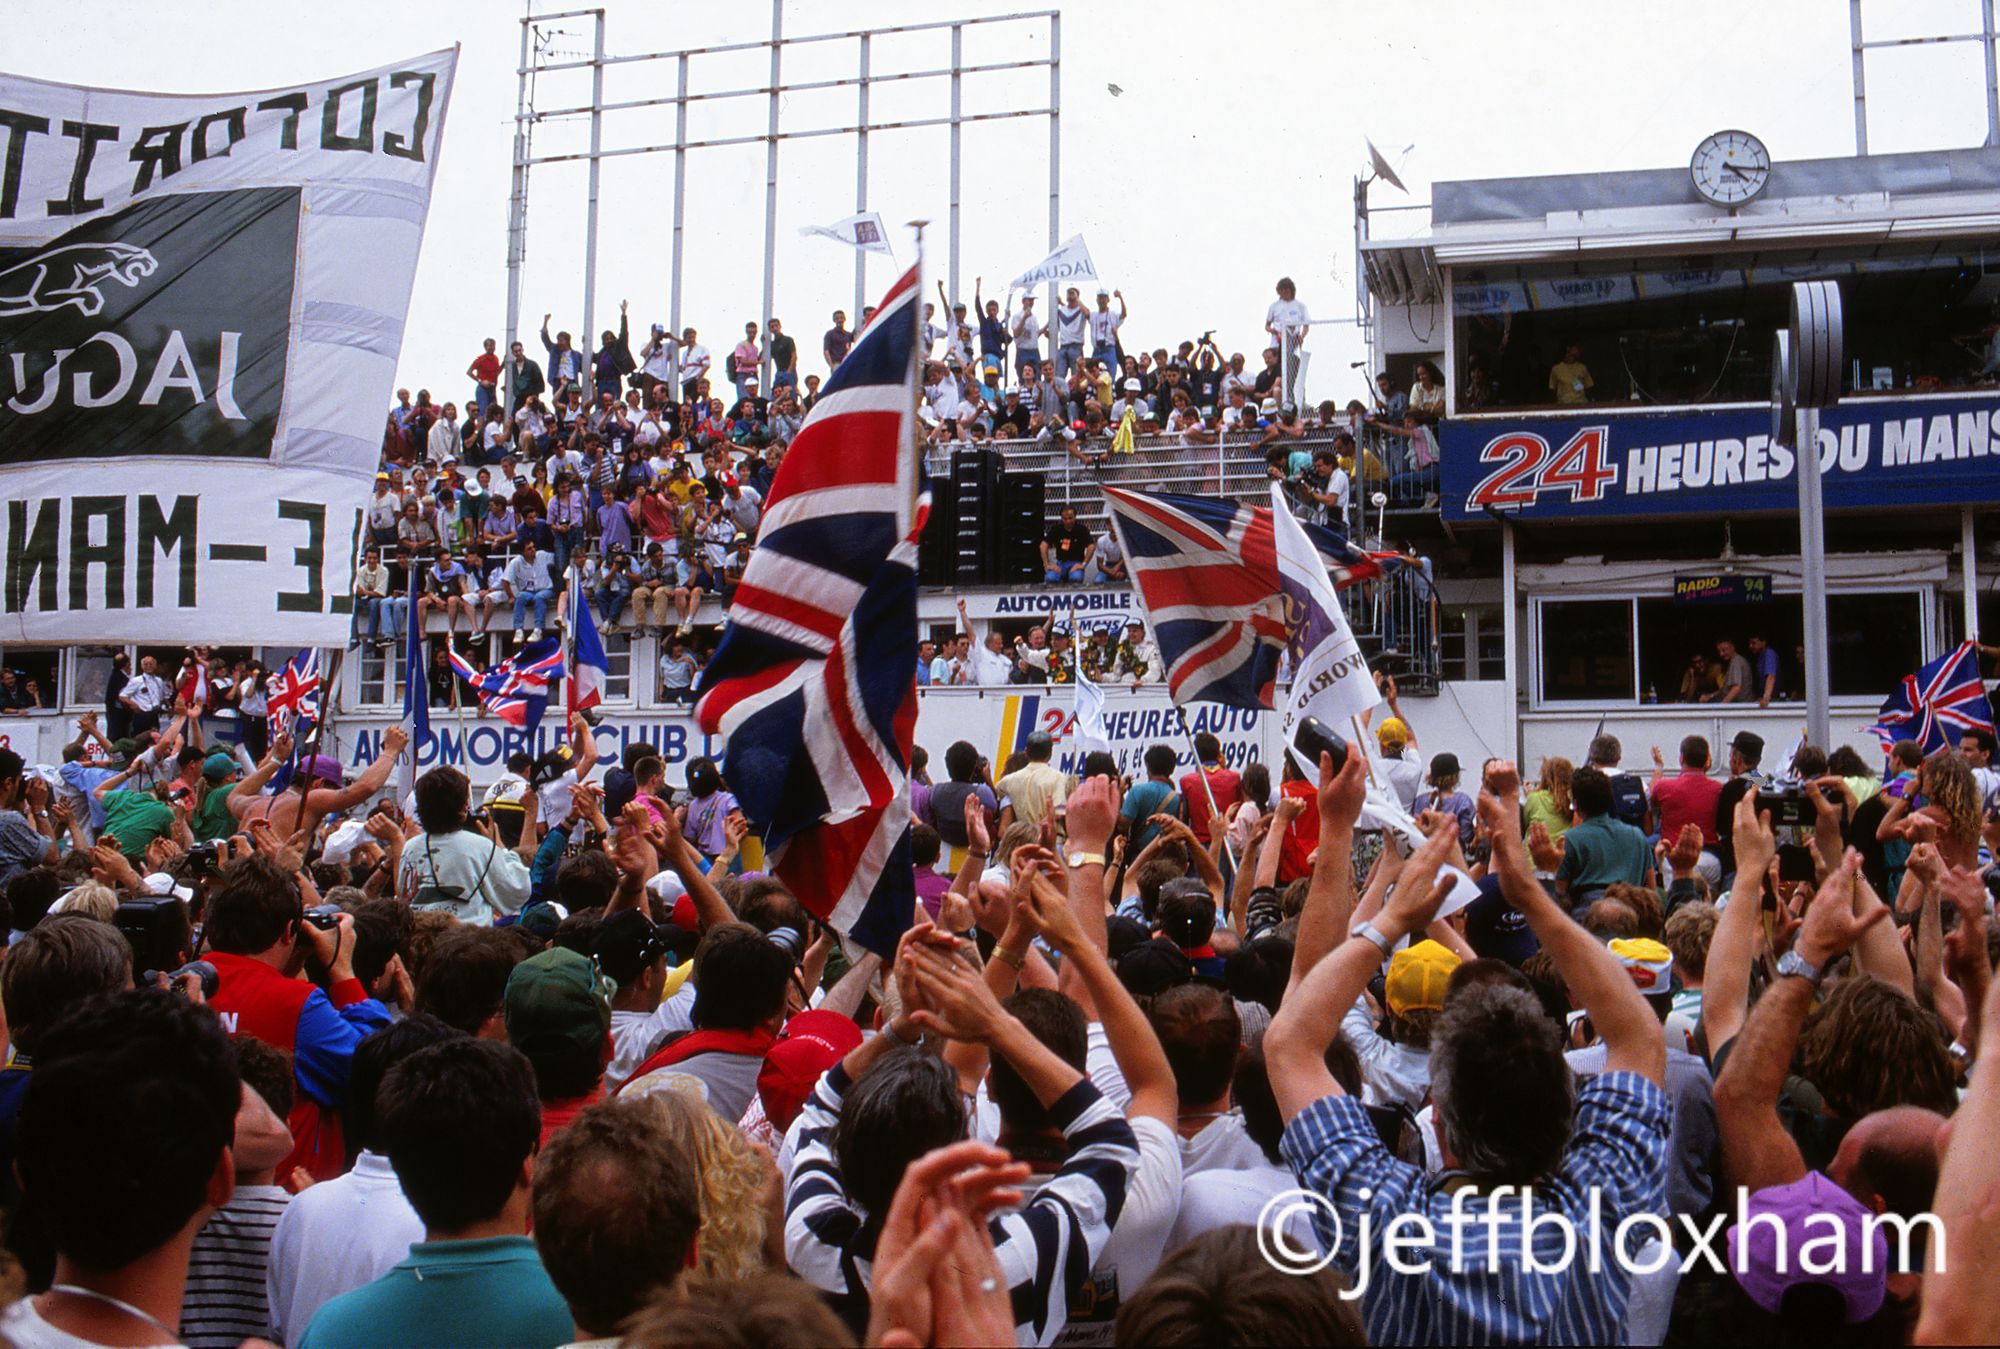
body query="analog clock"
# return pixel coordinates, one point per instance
(1730, 167)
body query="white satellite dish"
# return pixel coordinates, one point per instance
(1380, 168)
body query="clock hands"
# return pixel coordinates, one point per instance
(1731, 168)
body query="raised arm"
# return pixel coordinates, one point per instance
(1958, 1302)
(325, 801)
(1329, 908)
(1757, 1151)
(1309, 1017)
(1725, 990)
(1148, 1075)
(1633, 1040)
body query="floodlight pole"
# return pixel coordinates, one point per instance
(957, 111)
(587, 339)
(517, 225)
(861, 184)
(680, 214)
(1055, 162)
(771, 185)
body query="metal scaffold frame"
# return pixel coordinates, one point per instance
(536, 61)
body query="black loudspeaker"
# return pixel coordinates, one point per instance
(975, 477)
(1018, 527)
(934, 549)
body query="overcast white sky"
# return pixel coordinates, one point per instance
(1227, 159)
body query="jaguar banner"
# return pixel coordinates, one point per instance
(202, 299)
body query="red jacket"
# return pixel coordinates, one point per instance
(319, 1032)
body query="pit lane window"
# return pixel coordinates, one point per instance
(1585, 651)
(1697, 329)
(1875, 638)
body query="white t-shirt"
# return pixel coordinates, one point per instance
(1223, 1145)
(1104, 325)
(694, 363)
(556, 797)
(635, 1036)
(333, 1238)
(990, 667)
(1071, 325)
(1215, 1199)
(1289, 314)
(1138, 1239)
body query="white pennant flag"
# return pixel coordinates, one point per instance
(863, 231)
(1090, 731)
(1071, 262)
(1330, 678)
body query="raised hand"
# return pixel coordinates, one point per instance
(1753, 840)
(1547, 852)
(1830, 925)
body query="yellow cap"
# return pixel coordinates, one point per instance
(1417, 976)
(1392, 732)
(1650, 964)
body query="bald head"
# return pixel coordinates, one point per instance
(1889, 1160)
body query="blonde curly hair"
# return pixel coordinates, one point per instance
(732, 1177)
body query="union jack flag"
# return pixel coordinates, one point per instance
(813, 684)
(291, 695)
(1937, 704)
(1207, 571)
(516, 690)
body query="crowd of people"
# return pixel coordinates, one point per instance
(336, 1063)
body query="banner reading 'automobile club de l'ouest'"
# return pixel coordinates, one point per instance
(201, 304)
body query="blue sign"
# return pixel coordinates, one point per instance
(1616, 465)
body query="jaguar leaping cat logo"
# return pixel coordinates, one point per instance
(71, 275)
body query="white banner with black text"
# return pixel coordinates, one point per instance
(202, 299)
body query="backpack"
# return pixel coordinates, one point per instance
(1628, 799)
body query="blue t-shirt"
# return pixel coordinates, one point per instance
(1141, 804)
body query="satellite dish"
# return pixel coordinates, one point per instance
(1381, 169)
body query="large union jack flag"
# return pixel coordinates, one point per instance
(291, 696)
(1937, 704)
(516, 690)
(1207, 572)
(814, 682)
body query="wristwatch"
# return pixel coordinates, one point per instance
(1368, 932)
(1086, 859)
(1792, 963)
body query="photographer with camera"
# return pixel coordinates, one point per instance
(261, 940)
(458, 865)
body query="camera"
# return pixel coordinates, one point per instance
(200, 969)
(205, 857)
(1314, 737)
(156, 928)
(325, 917)
(1789, 806)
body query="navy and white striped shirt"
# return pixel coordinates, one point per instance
(1046, 1248)
(1483, 1292)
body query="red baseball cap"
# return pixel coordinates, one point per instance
(813, 1042)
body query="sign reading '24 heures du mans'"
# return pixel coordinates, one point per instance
(202, 300)
(1872, 453)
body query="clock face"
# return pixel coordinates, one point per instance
(1730, 167)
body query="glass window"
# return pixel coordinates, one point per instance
(618, 660)
(1698, 329)
(1586, 650)
(89, 672)
(381, 677)
(1874, 640)
(34, 670)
